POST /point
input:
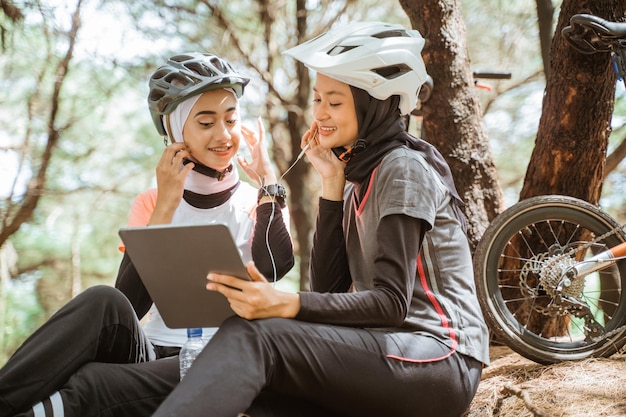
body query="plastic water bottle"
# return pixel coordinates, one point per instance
(192, 347)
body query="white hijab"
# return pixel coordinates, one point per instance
(196, 182)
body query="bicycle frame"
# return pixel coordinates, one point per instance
(599, 261)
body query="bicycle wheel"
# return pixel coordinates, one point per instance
(521, 302)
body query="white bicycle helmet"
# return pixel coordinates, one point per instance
(186, 75)
(381, 58)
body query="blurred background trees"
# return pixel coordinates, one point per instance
(77, 143)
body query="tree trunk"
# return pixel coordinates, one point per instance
(545, 17)
(575, 121)
(452, 116)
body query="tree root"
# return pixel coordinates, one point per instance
(509, 389)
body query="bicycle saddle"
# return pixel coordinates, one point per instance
(589, 34)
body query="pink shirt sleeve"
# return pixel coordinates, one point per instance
(141, 210)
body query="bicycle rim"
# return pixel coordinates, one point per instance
(517, 301)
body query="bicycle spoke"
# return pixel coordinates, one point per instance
(545, 314)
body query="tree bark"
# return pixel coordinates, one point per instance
(452, 115)
(575, 120)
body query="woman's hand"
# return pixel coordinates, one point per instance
(254, 299)
(260, 169)
(328, 166)
(171, 175)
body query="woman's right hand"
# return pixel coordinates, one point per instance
(328, 166)
(171, 175)
(259, 169)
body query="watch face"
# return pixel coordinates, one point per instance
(274, 190)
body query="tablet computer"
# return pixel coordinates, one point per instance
(173, 262)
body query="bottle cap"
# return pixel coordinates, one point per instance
(195, 332)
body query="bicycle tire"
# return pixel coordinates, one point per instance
(522, 228)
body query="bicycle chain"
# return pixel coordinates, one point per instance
(596, 240)
(610, 335)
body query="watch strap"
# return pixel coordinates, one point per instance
(277, 191)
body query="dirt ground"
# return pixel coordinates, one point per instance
(513, 386)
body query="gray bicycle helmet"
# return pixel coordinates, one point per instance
(381, 58)
(187, 75)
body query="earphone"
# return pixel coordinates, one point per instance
(301, 154)
(299, 157)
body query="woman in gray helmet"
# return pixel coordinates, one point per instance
(392, 326)
(93, 357)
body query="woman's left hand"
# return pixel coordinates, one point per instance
(259, 169)
(254, 299)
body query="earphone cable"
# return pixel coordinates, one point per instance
(271, 219)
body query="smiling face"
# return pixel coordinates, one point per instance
(334, 111)
(212, 131)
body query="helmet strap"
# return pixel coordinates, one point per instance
(208, 171)
(168, 129)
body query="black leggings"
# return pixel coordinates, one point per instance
(92, 359)
(281, 367)
(92, 356)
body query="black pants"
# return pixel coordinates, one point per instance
(91, 358)
(281, 367)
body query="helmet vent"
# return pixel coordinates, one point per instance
(392, 34)
(200, 69)
(339, 49)
(392, 71)
(180, 58)
(221, 66)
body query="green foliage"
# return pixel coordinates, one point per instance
(503, 35)
(21, 314)
(511, 125)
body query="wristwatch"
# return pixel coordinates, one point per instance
(274, 190)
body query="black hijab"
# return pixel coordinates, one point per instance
(381, 129)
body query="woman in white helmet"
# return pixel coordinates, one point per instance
(392, 326)
(93, 358)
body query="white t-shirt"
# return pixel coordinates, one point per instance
(237, 213)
